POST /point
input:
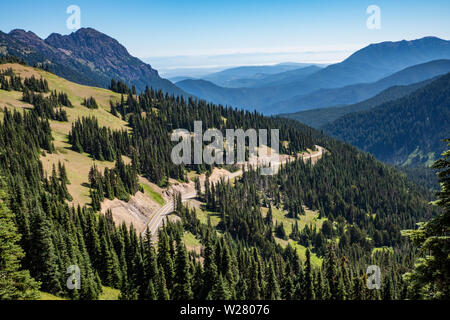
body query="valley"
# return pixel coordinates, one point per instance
(102, 197)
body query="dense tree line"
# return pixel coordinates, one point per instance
(100, 142)
(9, 81)
(47, 107)
(153, 116)
(6, 58)
(32, 92)
(121, 87)
(119, 182)
(90, 103)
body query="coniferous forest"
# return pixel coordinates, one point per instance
(365, 205)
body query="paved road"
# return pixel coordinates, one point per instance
(157, 219)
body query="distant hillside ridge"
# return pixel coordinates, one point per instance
(407, 131)
(358, 92)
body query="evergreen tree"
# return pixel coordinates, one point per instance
(15, 284)
(430, 278)
(182, 288)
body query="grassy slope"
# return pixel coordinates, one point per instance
(310, 218)
(77, 165)
(152, 194)
(107, 294)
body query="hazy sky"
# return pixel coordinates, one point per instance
(156, 29)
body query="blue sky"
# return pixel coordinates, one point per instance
(196, 28)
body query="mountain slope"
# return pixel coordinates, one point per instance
(359, 92)
(86, 57)
(317, 118)
(405, 131)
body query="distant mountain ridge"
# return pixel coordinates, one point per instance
(318, 118)
(86, 56)
(358, 92)
(250, 76)
(369, 64)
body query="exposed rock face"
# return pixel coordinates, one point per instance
(137, 212)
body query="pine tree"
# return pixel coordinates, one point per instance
(63, 173)
(150, 294)
(150, 261)
(182, 288)
(210, 269)
(430, 278)
(15, 284)
(309, 285)
(163, 293)
(273, 289)
(331, 272)
(220, 290)
(44, 259)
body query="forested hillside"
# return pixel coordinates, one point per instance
(409, 130)
(307, 232)
(318, 118)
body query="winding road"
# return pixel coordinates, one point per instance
(156, 221)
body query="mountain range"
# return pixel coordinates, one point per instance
(90, 57)
(370, 64)
(362, 91)
(256, 76)
(86, 56)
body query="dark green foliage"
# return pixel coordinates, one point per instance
(422, 176)
(120, 182)
(100, 142)
(9, 81)
(119, 87)
(35, 85)
(46, 107)
(61, 98)
(90, 103)
(394, 130)
(15, 284)
(11, 59)
(430, 278)
(366, 205)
